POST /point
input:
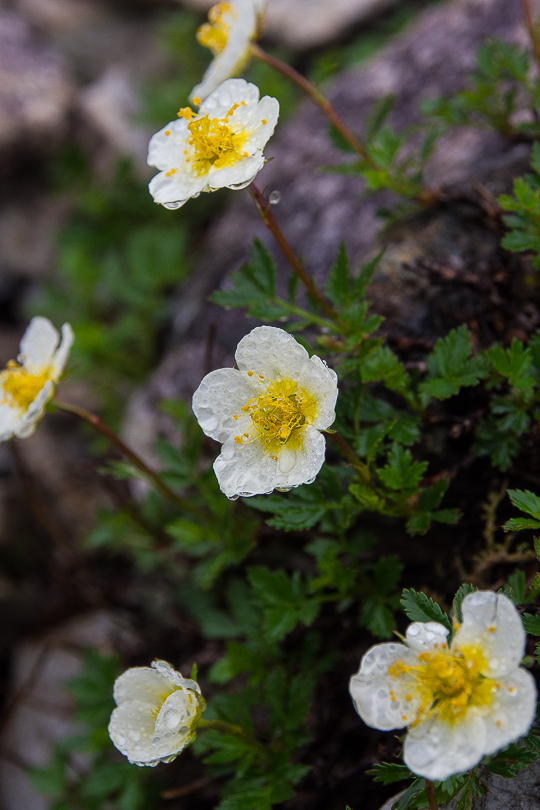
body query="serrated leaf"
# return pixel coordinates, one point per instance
(336, 287)
(402, 472)
(531, 624)
(421, 608)
(451, 366)
(526, 501)
(389, 772)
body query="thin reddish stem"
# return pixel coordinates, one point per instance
(432, 797)
(270, 221)
(531, 28)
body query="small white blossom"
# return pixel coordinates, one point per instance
(231, 28)
(26, 385)
(157, 713)
(459, 702)
(267, 412)
(221, 146)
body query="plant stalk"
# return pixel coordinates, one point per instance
(531, 28)
(237, 731)
(315, 95)
(432, 798)
(361, 468)
(269, 220)
(164, 490)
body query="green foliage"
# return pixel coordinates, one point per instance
(500, 94)
(451, 367)
(524, 220)
(420, 608)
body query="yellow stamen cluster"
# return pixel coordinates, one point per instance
(21, 385)
(448, 682)
(214, 34)
(278, 414)
(214, 143)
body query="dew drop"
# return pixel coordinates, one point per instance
(274, 198)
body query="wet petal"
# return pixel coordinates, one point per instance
(437, 750)
(131, 728)
(272, 351)
(321, 382)
(492, 622)
(513, 710)
(143, 684)
(221, 395)
(423, 636)
(39, 343)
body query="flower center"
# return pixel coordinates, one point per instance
(278, 414)
(448, 683)
(213, 34)
(214, 143)
(20, 385)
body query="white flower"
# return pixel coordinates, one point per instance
(230, 30)
(267, 413)
(157, 713)
(221, 146)
(28, 384)
(459, 702)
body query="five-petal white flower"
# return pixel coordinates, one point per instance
(231, 28)
(221, 146)
(157, 711)
(28, 384)
(267, 412)
(460, 702)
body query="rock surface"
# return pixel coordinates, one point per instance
(35, 89)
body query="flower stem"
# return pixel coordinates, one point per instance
(315, 94)
(164, 490)
(238, 731)
(531, 28)
(361, 468)
(269, 220)
(432, 798)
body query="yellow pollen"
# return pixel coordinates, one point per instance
(21, 385)
(215, 33)
(196, 100)
(448, 683)
(167, 132)
(264, 121)
(172, 171)
(238, 439)
(279, 414)
(184, 112)
(214, 143)
(492, 628)
(250, 373)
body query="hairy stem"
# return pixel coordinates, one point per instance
(432, 798)
(315, 94)
(164, 490)
(361, 468)
(238, 731)
(532, 28)
(269, 220)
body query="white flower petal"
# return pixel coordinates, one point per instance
(513, 710)
(238, 176)
(378, 697)
(436, 750)
(39, 343)
(272, 351)
(131, 729)
(142, 684)
(321, 382)
(62, 353)
(248, 469)
(27, 421)
(175, 677)
(221, 395)
(422, 636)
(9, 422)
(177, 188)
(166, 152)
(232, 91)
(492, 622)
(173, 729)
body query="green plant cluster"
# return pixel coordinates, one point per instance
(235, 564)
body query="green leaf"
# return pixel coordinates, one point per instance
(526, 501)
(402, 472)
(463, 591)
(514, 364)
(389, 772)
(420, 608)
(336, 287)
(531, 624)
(300, 510)
(518, 584)
(519, 524)
(451, 366)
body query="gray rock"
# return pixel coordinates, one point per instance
(39, 710)
(35, 89)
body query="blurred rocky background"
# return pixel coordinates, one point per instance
(83, 84)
